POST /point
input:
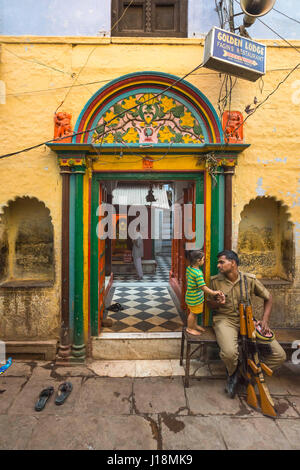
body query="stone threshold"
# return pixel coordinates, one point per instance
(133, 335)
(148, 368)
(137, 284)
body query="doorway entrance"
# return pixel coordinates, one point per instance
(173, 209)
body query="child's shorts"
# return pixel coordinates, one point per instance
(196, 309)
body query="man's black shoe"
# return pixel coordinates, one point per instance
(232, 383)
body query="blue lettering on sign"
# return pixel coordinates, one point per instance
(239, 50)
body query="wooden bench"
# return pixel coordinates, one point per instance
(285, 337)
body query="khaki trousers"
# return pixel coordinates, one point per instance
(227, 331)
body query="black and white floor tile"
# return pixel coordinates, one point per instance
(146, 309)
(161, 275)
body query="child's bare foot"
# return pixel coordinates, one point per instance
(193, 332)
(199, 328)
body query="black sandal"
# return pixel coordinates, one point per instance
(43, 398)
(65, 389)
(115, 307)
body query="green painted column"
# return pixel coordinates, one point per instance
(217, 220)
(94, 258)
(78, 347)
(217, 223)
(72, 255)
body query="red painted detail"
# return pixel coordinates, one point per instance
(147, 164)
(232, 124)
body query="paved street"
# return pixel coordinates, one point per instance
(142, 412)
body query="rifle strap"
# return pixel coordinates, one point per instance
(241, 289)
(248, 300)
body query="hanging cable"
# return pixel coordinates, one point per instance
(289, 17)
(269, 95)
(275, 32)
(281, 37)
(105, 123)
(88, 57)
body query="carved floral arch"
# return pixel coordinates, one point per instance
(181, 116)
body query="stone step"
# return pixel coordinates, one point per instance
(133, 346)
(41, 350)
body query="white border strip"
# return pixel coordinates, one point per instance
(153, 335)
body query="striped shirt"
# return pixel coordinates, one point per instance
(194, 294)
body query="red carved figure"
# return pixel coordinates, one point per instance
(62, 126)
(233, 127)
(147, 164)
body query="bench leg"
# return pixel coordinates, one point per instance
(182, 348)
(187, 365)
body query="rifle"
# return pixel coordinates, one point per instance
(252, 369)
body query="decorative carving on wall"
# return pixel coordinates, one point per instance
(147, 164)
(232, 124)
(153, 120)
(62, 126)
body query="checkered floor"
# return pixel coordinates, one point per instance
(146, 309)
(161, 275)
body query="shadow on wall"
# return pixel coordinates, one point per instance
(26, 242)
(29, 304)
(266, 248)
(265, 242)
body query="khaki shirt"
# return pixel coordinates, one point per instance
(232, 292)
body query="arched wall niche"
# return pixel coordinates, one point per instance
(26, 241)
(265, 239)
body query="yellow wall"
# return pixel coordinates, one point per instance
(39, 71)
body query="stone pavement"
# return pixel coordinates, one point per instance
(119, 406)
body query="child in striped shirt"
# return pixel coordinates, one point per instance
(196, 287)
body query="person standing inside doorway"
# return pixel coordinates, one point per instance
(138, 253)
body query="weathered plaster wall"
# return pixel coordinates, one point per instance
(29, 313)
(29, 240)
(38, 73)
(265, 243)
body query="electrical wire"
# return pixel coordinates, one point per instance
(117, 22)
(88, 57)
(281, 37)
(275, 32)
(140, 157)
(37, 62)
(77, 76)
(164, 91)
(45, 90)
(155, 96)
(289, 17)
(105, 123)
(269, 95)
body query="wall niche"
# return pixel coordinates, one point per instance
(265, 241)
(26, 242)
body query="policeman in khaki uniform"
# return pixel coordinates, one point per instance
(226, 321)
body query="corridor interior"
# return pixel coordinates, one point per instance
(148, 305)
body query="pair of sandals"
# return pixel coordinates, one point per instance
(64, 391)
(115, 307)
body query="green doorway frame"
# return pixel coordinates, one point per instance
(217, 219)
